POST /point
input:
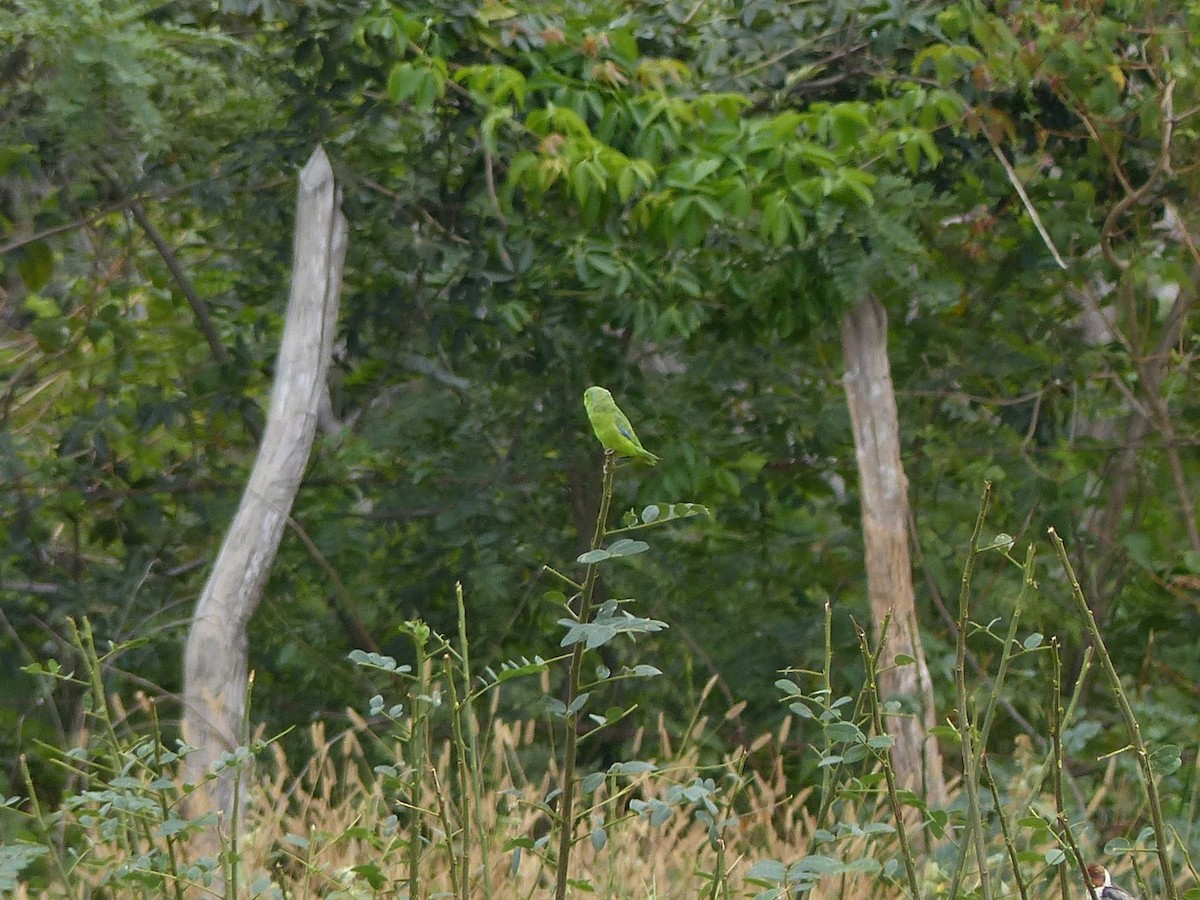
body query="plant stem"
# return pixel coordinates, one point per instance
(1027, 585)
(420, 752)
(980, 764)
(965, 729)
(1013, 857)
(827, 776)
(235, 810)
(462, 765)
(164, 808)
(872, 688)
(1131, 723)
(1064, 824)
(566, 819)
(457, 876)
(472, 735)
(44, 824)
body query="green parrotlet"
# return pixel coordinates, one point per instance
(612, 427)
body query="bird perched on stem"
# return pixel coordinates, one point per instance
(612, 427)
(1102, 886)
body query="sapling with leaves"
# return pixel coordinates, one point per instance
(595, 622)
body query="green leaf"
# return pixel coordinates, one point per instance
(41, 307)
(619, 548)
(655, 513)
(822, 866)
(844, 732)
(373, 875)
(627, 547)
(430, 89)
(36, 265)
(51, 334)
(14, 858)
(801, 710)
(610, 621)
(377, 661)
(642, 671)
(633, 767)
(514, 669)
(404, 81)
(494, 11)
(1165, 759)
(855, 753)
(865, 865)
(172, 827)
(766, 872)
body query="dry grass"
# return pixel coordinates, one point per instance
(338, 828)
(331, 827)
(345, 818)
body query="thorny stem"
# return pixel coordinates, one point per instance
(1056, 773)
(1131, 724)
(1013, 859)
(965, 729)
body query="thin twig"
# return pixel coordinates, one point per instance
(889, 774)
(1020, 189)
(18, 242)
(1065, 834)
(935, 594)
(1014, 860)
(974, 834)
(195, 301)
(1134, 730)
(1162, 167)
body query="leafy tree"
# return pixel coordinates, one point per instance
(679, 202)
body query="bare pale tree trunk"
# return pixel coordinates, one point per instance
(884, 490)
(215, 662)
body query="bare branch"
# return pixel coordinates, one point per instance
(1020, 189)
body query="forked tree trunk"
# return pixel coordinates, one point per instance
(884, 491)
(215, 662)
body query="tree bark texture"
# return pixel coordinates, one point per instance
(215, 661)
(884, 492)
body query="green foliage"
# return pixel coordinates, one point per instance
(677, 200)
(123, 825)
(97, 80)
(426, 817)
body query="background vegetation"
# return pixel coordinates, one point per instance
(676, 200)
